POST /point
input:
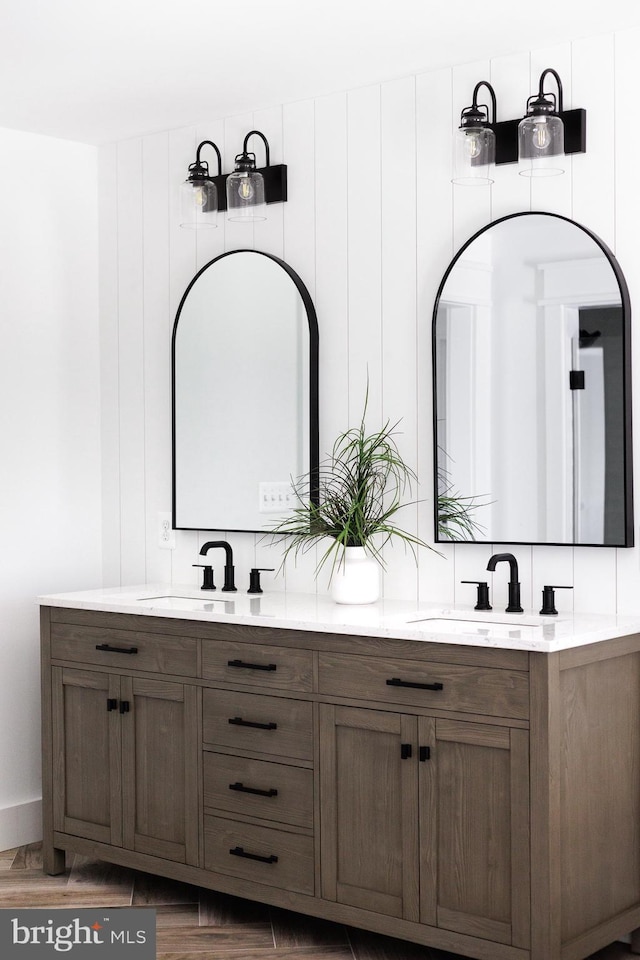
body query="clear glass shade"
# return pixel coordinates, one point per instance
(475, 152)
(198, 204)
(541, 146)
(245, 196)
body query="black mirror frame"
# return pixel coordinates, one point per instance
(313, 407)
(626, 373)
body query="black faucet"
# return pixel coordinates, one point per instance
(514, 587)
(229, 580)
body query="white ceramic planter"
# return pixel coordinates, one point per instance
(356, 578)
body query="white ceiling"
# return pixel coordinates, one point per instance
(102, 71)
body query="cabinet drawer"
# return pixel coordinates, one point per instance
(258, 788)
(261, 854)
(124, 649)
(266, 667)
(258, 723)
(449, 686)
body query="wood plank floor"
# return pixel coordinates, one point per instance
(197, 924)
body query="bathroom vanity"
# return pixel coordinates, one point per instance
(466, 781)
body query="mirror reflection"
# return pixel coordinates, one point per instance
(245, 393)
(532, 423)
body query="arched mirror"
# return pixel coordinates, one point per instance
(245, 393)
(532, 388)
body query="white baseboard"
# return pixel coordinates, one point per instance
(20, 824)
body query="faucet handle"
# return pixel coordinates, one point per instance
(254, 578)
(483, 594)
(207, 576)
(549, 600)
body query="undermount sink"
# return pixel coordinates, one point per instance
(170, 602)
(480, 626)
(513, 620)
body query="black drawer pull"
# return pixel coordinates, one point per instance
(110, 649)
(251, 666)
(112, 704)
(396, 682)
(124, 706)
(240, 787)
(239, 722)
(240, 852)
(425, 753)
(405, 751)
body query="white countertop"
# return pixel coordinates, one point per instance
(428, 622)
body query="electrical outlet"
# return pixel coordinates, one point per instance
(276, 496)
(166, 533)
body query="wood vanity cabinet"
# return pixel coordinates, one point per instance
(427, 819)
(118, 740)
(479, 800)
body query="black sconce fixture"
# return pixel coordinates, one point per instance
(541, 132)
(475, 149)
(243, 193)
(536, 140)
(199, 193)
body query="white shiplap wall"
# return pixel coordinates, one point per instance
(372, 263)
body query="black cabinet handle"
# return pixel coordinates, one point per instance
(109, 649)
(396, 682)
(425, 753)
(251, 666)
(112, 704)
(405, 751)
(124, 706)
(239, 722)
(240, 787)
(240, 852)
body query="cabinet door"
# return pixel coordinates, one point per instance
(369, 810)
(87, 799)
(475, 815)
(160, 764)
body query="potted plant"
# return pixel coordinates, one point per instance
(361, 487)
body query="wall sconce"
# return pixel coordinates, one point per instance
(541, 132)
(243, 193)
(245, 186)
(475, 145)
(199, 193)
(537, 140)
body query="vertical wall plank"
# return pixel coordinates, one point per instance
(627, 215)
(364, 253)
(109, 367)
(182, 266)
(399, 332)
(594, 586)
(298, 135)
(131, 362)
(157, 326)
(332, 282)
(299, 248)
(595, 87)
(332, 285)
(434, 248)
